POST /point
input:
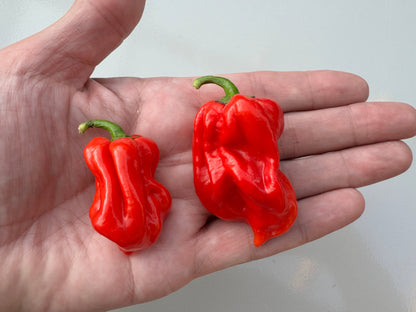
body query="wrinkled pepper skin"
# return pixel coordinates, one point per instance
(236, 162)
(129, 205)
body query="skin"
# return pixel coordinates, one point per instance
(52, 259)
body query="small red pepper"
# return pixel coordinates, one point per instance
(236, 162)
(129, 204)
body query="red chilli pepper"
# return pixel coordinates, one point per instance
(129, 204)
(236, 162)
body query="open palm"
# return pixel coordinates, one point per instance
(51, 258)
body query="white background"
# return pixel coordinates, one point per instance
(367, 266)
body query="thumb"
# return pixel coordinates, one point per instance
(69, 50)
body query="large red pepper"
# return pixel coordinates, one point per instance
(236, 162)
(129, 204)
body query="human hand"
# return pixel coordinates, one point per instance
(52, 259)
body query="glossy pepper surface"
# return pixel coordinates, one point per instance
(129, 205)
(236, 162)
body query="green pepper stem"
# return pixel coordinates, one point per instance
(114, 129)
(229, 88)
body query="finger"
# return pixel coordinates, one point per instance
(350, 168)
(224, 244)
(73, 46)
(296, 91)
(314, 132)
(319, 215)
